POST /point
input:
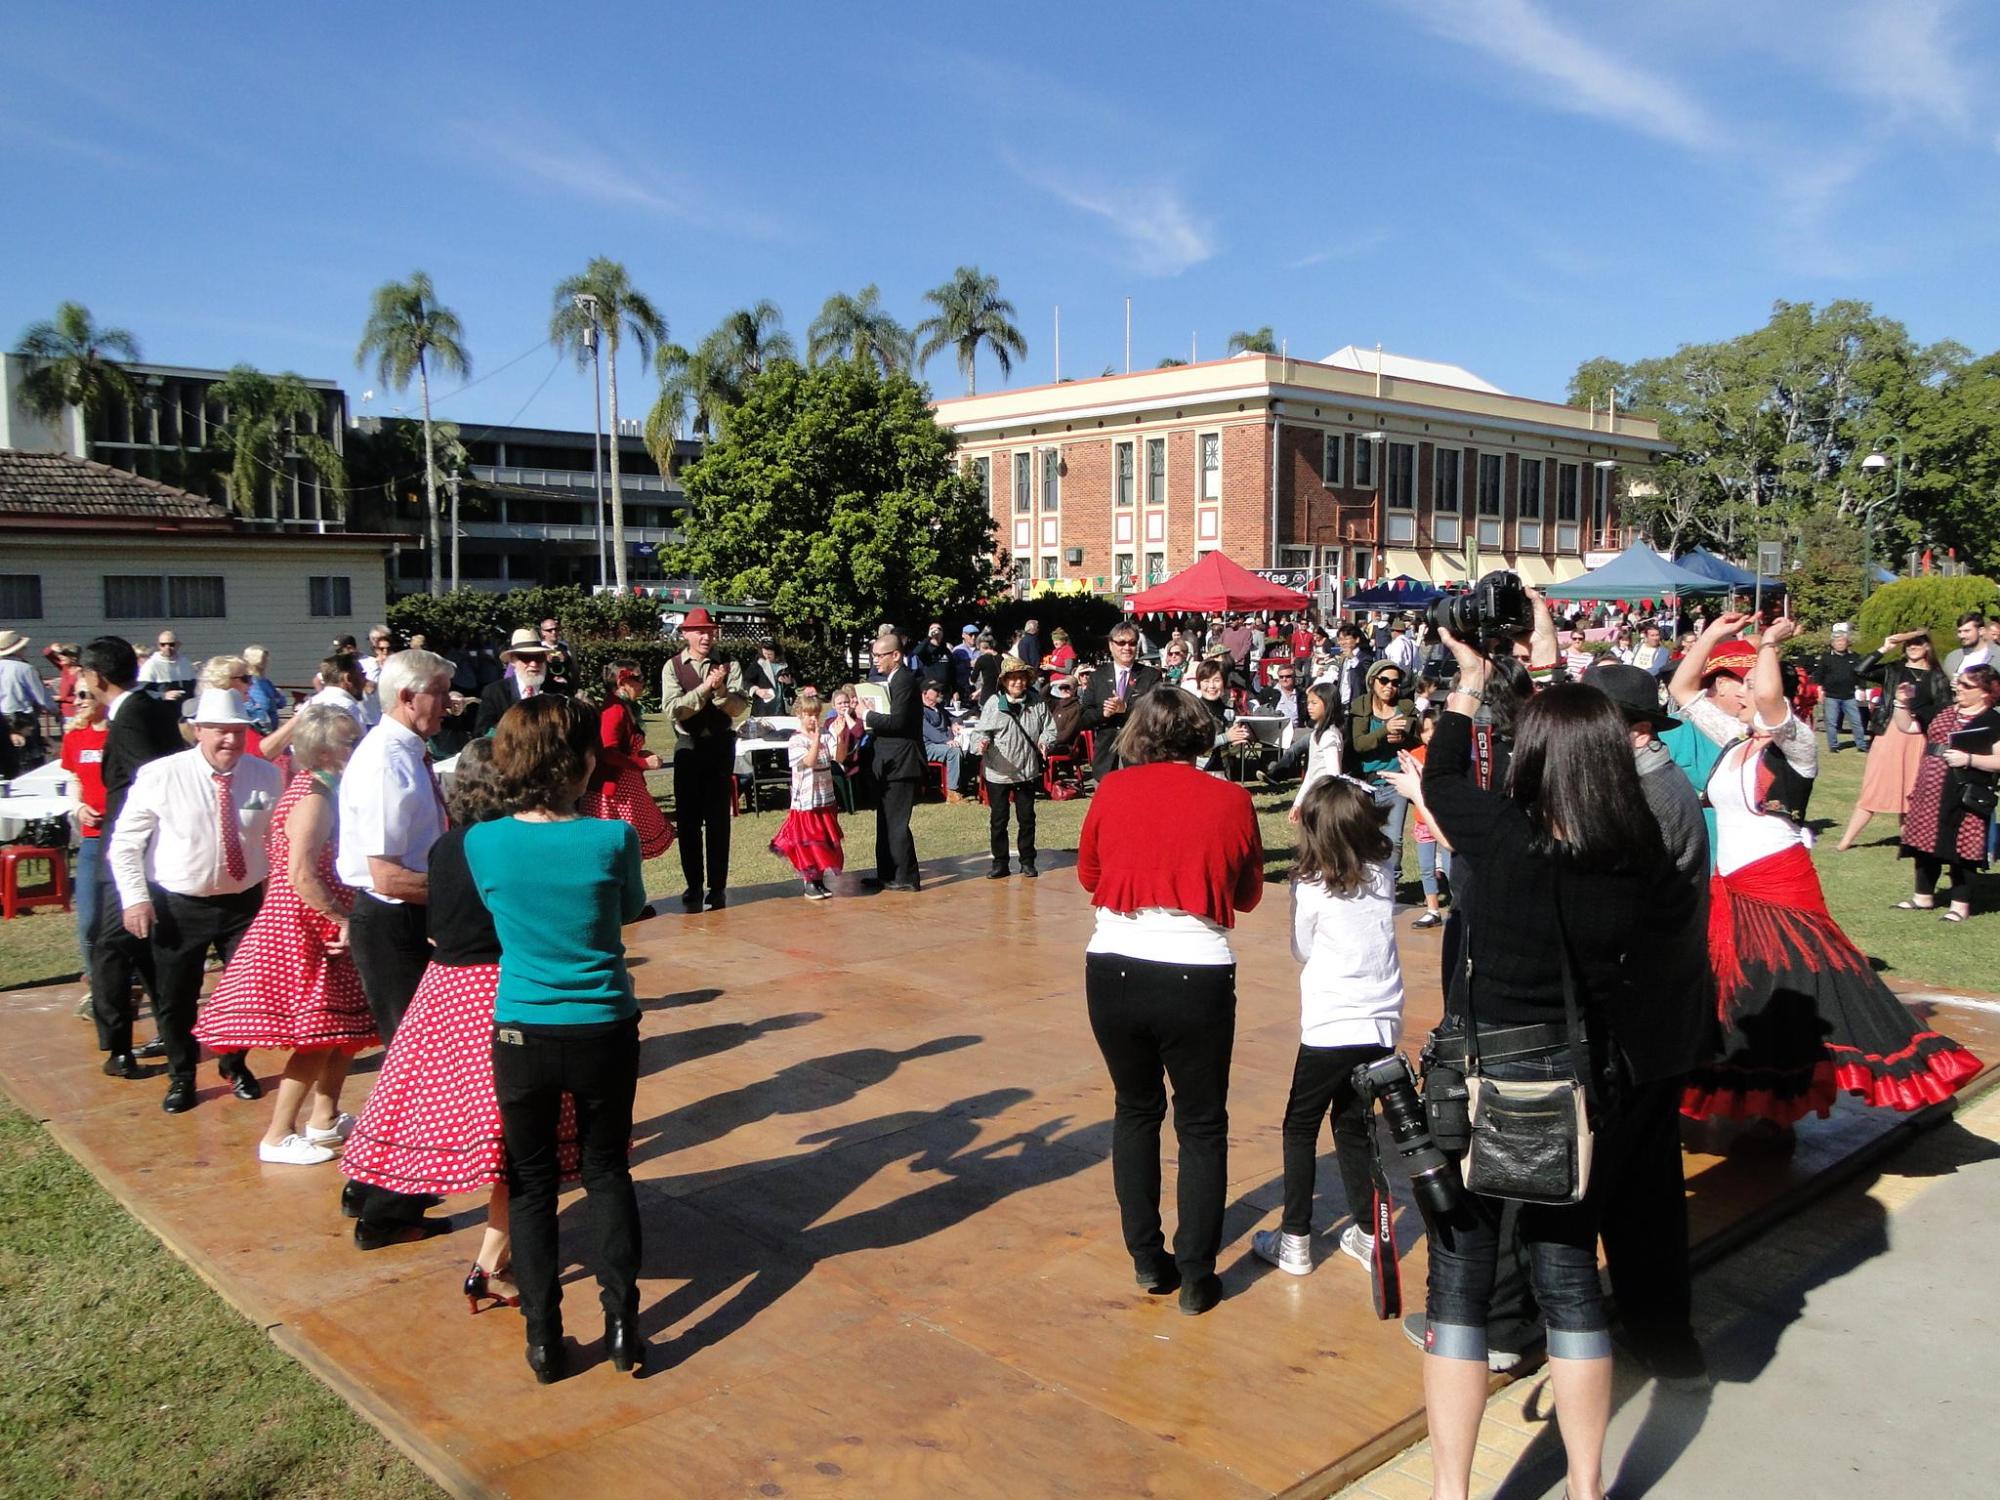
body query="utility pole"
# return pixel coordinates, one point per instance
(588, 303)
(1058, 344)
(1128, 335)
(1875, 463)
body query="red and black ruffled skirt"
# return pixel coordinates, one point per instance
(1804, 1015)
(811, 841)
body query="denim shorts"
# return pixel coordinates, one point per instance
(1561, 1243)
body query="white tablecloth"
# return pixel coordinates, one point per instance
(17, 811)
(770, 734)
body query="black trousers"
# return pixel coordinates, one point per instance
(1155, 1024)
(895, 845)
(703, 769)
(184, 928)
(1930, 867)
(117, 959)
(532, 1069)
(1645, 1228)
(1022, 795)
(391, 949)
(1322, 1084)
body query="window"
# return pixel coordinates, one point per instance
(1600, 507)
(1024, 482)
(1492, 486)
(1051, 567)
(1364, 463)
(1211, 465)
(1568, 498)
(1121, 568)
(1156, 471)
(1023, 571)
(1333, 446)
(1402, 494)
(129, 597)
(195, 599)
(1530, 534)
(1295, 557)
(1156, 568)
(1121, 473)
(330, 596)
(982, 470)
(1051, 479)
(1445, 466)
(20, 596)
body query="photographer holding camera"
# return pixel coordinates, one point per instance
(1569, 840)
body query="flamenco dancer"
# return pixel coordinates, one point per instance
(618, 787)
(290, 983)
(1804, 1015)
(432, 1125)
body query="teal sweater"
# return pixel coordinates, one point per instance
(559, 892)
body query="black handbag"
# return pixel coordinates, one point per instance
(1531, 1140)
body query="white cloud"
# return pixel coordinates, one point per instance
(1904, 55)
(1585, 79)
(1152, 227)
(1356, 247)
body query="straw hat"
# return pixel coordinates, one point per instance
(1013, 666)
(525, 642)
(12, 643)
(220, 706)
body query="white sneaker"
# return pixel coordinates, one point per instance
(293, 1151)
(340, 1130)
(1355, 1241)
(1288, 1252)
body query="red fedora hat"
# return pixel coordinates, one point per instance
(698, 618)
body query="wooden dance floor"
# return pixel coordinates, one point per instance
(882, 1256)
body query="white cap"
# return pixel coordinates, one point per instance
(220, 706)
(1843, 628)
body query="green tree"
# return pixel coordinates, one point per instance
(834, 496)
(1169, 363)
(259, 433)
(1253, 341)
(697, 387)
(859, 328)
(971, 312)
(1951, 453)
(603, 298)
(74, 364)
(1928, 603)
(751, 338)
(409, 333)
(1826, 584)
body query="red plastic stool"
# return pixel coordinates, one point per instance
(12, 858)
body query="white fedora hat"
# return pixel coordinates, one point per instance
(220, 706)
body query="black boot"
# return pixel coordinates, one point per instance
(623, 1345)
(549, 1360)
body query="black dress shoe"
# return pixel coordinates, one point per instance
(122, 1065)
(152, 1051)
(548, 1360)
(691, 900)
(244, 1085)
(1159, 1277)
(900, 885)
(180, 1097)
(1028, 870)
(352, 1197)
(998, 872)
(1199, 1295)
(716, 901)
(627, 1351)
(369, 1236)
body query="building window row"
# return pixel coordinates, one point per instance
(332, 597)
(20, 596)
(176, 597)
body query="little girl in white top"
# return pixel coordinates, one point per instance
(810, 836)
(1350, 1006)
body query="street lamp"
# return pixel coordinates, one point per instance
(1877, 463)
(586, 303)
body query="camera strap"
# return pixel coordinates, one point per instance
(1386, 1275)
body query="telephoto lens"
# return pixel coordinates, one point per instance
(1434, 1179)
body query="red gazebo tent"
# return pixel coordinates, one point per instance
(1215, 583)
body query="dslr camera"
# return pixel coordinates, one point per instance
(1434, 1180)
(1496, 607)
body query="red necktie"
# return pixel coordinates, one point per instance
(232, 837)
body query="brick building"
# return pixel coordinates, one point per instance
(1336, 466)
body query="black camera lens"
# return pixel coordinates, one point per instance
(1434, 1178)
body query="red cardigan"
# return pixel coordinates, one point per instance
(1168, 835)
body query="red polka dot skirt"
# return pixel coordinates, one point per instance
(626, 800)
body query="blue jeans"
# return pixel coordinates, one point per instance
(947, 756)
(1838, 709)
(1561, 1245)
(91, 879)
(1433, 860)
(1398, 805)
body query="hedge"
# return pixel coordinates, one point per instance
(1932, 604)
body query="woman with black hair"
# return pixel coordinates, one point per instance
(1325, 747)
(1570, 873)
(1952, 802)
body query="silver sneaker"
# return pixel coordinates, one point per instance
(1357, 1244)
(1291, 1253)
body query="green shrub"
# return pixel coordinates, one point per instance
(1932, 604)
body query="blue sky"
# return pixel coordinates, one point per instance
(1512, 185)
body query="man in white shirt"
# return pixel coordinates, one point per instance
(23, 701)
(166, 673)
(1401, 649)
(342, 686)
(1577, 659)
(380, 647)
(1973, 648)
(189, 861)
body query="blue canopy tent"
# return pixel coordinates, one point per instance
(1400, 592)
(1636, 573)
(1706, 563)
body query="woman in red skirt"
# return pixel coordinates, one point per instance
(618, 787)
(291, 983)
(432, 1125)
(1803, 1014)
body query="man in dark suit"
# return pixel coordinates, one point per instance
(526, 677)
(897, 748)
(1112, 691)
(1287, 698)
(1351, 667)
(143, 728)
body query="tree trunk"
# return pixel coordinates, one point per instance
(617, 497)
(430, 482)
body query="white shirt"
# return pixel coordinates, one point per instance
(1351, 988)
(339, 697)
(1403, 652)
(170, 835)
(1744, 833)
(1323, 756)
(371, 701)
(177, 671)
(390, 806)
(21, 690)
(1162, 936)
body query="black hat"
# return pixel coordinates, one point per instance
(1636, 692)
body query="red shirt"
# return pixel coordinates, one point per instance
(1302, 643)
(1170, 836)
(83, 758)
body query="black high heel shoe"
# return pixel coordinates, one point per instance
(477, 1291)
(622, 1343)
(549, 1361)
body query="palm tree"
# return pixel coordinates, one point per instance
(971, 312)
(604, 297)
(696, 389)
(1253, 341)
(260, 432)
(73, 365)
(408, 332)
(1169, 363)
(859, 328)
(755, 336)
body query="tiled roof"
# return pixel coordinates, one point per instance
(56, 485)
